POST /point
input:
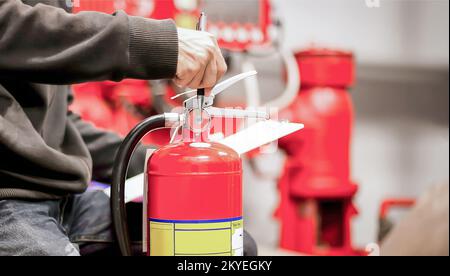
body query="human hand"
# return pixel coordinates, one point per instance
(200, 61)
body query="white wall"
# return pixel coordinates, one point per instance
(401, 140)
(406, 32)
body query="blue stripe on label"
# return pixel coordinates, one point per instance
(195, 221)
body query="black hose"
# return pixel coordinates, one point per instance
(121, 164)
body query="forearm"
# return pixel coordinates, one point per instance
(44, 44)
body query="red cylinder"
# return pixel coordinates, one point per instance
(195, 200)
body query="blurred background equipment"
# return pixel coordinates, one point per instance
(316, 191)
(400, 142)
(387, 206)
(238, 25)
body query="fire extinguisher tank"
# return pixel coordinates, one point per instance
(195, 201)
(195, 181)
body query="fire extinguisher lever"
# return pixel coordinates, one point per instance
(219, 88)
(192, 103)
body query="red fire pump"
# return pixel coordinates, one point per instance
(316, 191)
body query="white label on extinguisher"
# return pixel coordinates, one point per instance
(237, 238)
(223, 237)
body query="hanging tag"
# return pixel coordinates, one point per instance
(259, 134)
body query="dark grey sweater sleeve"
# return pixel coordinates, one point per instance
(103, 147)
(44, 44)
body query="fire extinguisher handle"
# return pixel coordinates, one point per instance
(121, 164)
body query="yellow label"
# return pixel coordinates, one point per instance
(209, 238)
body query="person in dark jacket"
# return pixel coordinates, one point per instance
(49, 155)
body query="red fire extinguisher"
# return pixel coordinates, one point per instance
(194, 186)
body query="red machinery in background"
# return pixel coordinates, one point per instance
(316, 190)
(120, 106)
(238, 25)
(385, 224)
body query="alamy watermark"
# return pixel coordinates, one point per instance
(373, 3)
(373, 250)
